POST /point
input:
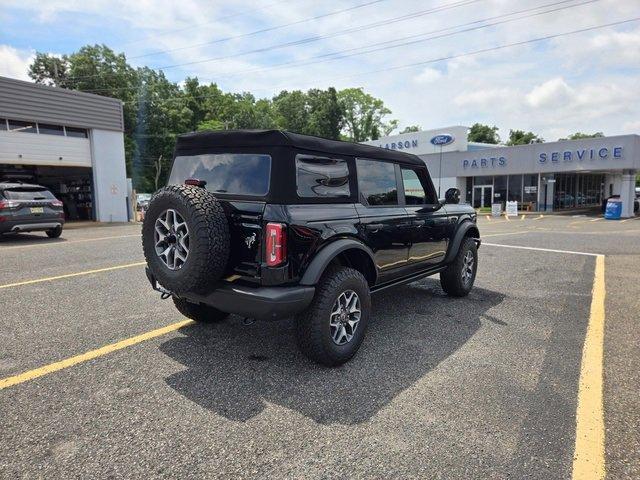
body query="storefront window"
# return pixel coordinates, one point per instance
(483, 180)
(530, 192)
(577, 190)
(500, 189)
(515, 188)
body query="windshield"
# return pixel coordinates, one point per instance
(232, 173)
(28, 194)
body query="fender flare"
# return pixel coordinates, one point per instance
(457, 239)
(324, 257)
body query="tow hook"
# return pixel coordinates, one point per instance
(164, 293)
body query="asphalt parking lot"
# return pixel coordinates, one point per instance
(482, 387)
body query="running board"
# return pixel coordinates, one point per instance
(408, 279)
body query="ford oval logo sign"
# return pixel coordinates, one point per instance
(442, 140)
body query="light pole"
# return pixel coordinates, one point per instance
(440, 173)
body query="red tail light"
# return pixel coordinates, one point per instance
(7, 204)
(276, 244)
(56, 203)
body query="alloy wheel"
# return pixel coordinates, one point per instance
(345, 317)
(467, 267)
(172, 239)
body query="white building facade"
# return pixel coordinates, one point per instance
(70, 142)
(545, 177)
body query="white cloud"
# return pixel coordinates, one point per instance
(483, 97)
(554, 92)
(14, 63)
(428, 75)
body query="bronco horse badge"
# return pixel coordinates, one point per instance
(250, 240)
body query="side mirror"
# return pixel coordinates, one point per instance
(452, 195)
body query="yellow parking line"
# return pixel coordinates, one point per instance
(539, 218)
(522, 217)
(69, 275)
(67, 242)
(488, 217)
(596, 219)
(90, 355)
(588, 458)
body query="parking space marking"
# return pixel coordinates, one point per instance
(69, 275)
(541, 249)
(588, 458)
(90, 355)
(505, 233)
(539, 218)
(67, 242)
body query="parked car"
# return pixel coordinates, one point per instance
(270, 224)
(29, 208)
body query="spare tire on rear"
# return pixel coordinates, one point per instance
(185, 238)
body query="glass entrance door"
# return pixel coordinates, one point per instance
(482, 196)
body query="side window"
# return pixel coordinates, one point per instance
(377, 182)
(320, 177)
(416, 187)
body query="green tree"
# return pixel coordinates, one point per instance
(50, 70)
(520, 137)
(411, 129)
(326, 116)
(579, 135)
(210, 125)
(292, 111)
(364, 115)
(483, 134)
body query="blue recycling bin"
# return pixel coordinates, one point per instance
(614, 209)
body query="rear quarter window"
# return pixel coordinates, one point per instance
(227, 173)
(321, 177)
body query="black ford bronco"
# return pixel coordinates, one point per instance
(269, 224)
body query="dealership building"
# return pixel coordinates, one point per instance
(68, 141)
(542, 177)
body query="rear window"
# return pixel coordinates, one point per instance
(231, 173)
(28, 194)
(322, 177)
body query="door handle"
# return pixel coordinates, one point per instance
(374, 227)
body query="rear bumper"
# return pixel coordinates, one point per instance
(261, 303)
(30, 225)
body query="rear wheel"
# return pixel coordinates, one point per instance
(199, 313)
(54, 232)
(457, 280)
(331, 330)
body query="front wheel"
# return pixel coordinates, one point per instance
(332, 328)
(457, 280)
(199, 313)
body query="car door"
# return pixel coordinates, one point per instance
(429, 220)
(384, 224)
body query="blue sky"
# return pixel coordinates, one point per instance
(586, 82)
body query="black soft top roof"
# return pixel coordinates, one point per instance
(197, 141)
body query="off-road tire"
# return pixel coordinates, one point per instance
(451, 279)
(312, 325)
(208, 238)
(199, 313)
(54, 232)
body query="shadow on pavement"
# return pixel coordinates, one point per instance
(236, 371)
(22, 239)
